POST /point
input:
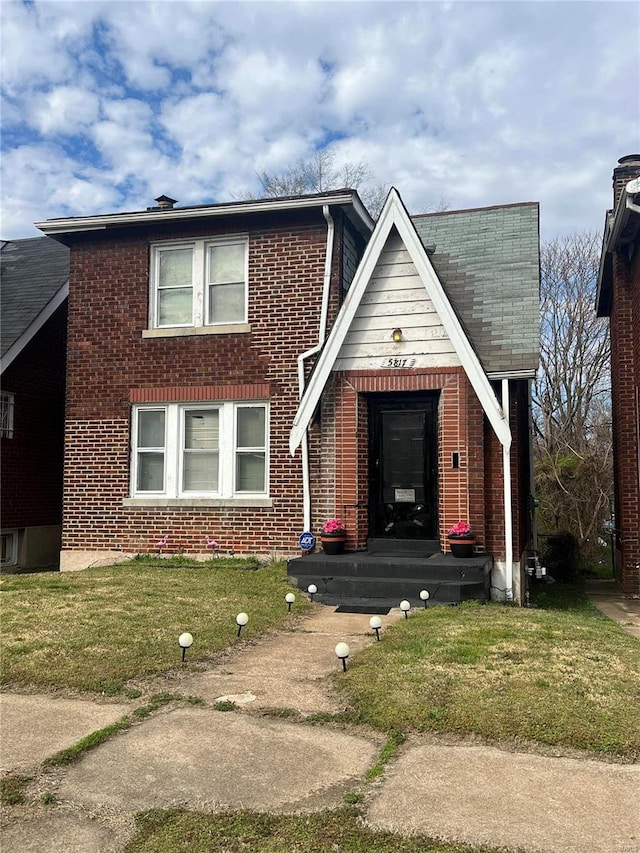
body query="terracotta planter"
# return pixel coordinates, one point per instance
(332, 545)
(462, 547)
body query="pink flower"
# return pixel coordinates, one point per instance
(334, 525)
(462, 528)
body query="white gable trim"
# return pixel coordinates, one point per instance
(395, 213)
(34, 327)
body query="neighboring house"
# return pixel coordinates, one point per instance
(34, 276)
(245, 371)
(619, 299)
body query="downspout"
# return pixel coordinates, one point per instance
(324, 310)
(508, 518)
(532, 473)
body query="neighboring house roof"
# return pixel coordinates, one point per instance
(34, 282)
(621, 230)
(394, 215)
(348, 199)
(488, 262)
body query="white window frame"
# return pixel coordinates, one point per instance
(173, 450)
(200, 281)
(7, 406)
(12, 548)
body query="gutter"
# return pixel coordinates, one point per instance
(328, 261)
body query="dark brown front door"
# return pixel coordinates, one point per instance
(403, 483)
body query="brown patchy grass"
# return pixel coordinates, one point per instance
(94, 630)
(563, 678)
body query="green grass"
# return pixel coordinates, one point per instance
(564, 676)
(246, 832)
(97, 629)
(13, 788)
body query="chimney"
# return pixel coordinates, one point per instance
(627, 169)
(163, 202)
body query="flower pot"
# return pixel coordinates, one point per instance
(332, 545)
(462, 547)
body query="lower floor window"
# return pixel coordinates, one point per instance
(9, 548)
(217, 450)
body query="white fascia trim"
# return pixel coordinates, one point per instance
(69, 225)
(395, 213)
(512, 374)
(34, 327)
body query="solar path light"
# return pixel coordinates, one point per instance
(185, 641)
(342, 652)
(405, 607)
(312, 589)
(424, 595)
(241, 621)
(376, 623)
(289, 598)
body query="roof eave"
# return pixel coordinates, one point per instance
(34, 327)
(77, 224)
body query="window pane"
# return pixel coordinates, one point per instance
(200, 472)
(175, 307)
(201, 431)
(151, 428)
(226, 303)
(251, 425)
(175, 267)
(226, 263)
(150, 472)
(250, 472)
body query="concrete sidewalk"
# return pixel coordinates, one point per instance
(202, 758)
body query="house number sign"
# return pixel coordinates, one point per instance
(396, 362)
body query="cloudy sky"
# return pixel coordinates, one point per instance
(107, 105)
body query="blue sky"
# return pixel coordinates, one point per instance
(106, 105)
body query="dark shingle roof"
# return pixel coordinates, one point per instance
(488, 262)
(31, 273)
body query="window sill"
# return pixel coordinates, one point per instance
(190, 331)
(198, 502)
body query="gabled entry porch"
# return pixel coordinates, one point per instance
(391, 570)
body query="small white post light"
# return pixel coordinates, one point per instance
(342, 652)
(312, 589)
(405, 607)
(289, 598)
(241, 621)
(424, 595)
(185, 641)
(376, 623)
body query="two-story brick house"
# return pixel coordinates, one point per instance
(240, 370)
(618, 298)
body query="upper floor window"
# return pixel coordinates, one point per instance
(199, 283)
(6, 414)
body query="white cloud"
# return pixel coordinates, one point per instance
(483, 102)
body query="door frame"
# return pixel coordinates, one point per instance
(403, 400)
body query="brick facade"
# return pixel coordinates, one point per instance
(32, 459)
(625, 380)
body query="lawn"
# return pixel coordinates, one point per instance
(94, 630)
(560, 674)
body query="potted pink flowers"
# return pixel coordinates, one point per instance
(333, 536)
(461, 539)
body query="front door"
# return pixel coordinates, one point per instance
(403, 481)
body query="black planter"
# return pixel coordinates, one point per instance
(462, 547)
(332, 545)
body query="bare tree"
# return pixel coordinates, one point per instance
(572, 410)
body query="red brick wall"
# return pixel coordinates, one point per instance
(474, 491)
(32, 459)
(109, 360)
(625, 380)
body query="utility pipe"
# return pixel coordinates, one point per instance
(322, 331)
(508, 518)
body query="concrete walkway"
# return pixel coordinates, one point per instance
(203, 758)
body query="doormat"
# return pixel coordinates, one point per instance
(362, 608)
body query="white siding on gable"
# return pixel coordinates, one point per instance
(395, 297)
